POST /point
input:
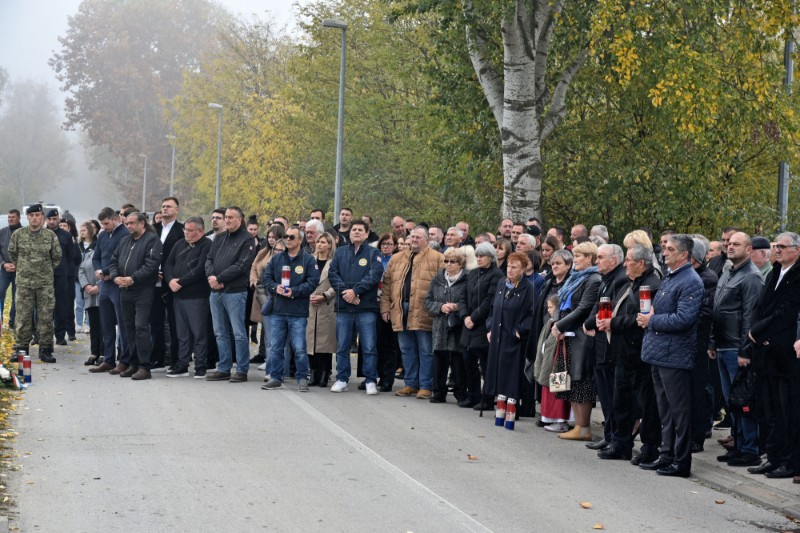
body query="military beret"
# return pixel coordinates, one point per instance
(534, 230)
(35, 208)
(52, 213)
(761, 243)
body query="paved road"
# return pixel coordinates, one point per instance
(110, 454)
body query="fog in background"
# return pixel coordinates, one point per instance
(29, 31)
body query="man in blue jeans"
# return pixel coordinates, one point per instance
(405, 286)
(354, 274)
(290, 308)
(735, 307)
(228, 272)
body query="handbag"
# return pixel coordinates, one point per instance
(742, 396)
(452, 322)
(560, 381)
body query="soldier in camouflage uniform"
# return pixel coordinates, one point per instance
(36, 252)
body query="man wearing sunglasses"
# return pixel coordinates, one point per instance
(290, 308)
(775, 354)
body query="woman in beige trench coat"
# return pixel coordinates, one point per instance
(321, 329)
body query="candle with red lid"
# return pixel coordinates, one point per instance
(645, 300)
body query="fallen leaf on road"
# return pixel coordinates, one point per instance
(472, 457)
(598, 526)
(693, 492)
(719, 502)
(586, 505)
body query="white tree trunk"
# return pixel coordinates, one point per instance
(521, 101)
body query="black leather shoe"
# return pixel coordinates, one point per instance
(437, 399)
(780, 473)
(362, 385)
(485, 407)
(599, 445)
(660, 462)
(385, 387)
(697, 447)
(61, 342)
(615, 452)
(47, 357)
(467, 403)
(728, 456)
(763, 469)
(674, 470)
(745, 459)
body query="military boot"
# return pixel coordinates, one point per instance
(46, 354)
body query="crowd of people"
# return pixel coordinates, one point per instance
(669, 337)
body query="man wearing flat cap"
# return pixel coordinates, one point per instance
(761, 256)
(70, 260)
(36, 252)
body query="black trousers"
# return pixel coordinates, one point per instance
(778, 405)
(320, 362)
(634, 398)
(444, 360)
(61, 309)
(163, 309)
(190, 316)
(702, 398)
(136, 307)
(388, 352)
(71, 307)
(673, 389)
(474, 360)
(604, 378)
(95, 331)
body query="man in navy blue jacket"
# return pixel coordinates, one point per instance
(669, 346)
(290, 308)
(110, 307)
(354, 274)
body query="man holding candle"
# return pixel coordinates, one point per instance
(609, 265)
(632, 381)
(669, 346)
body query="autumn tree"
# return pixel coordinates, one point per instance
(244, 75)
(120, 61)
(33, 148)
(676, 128)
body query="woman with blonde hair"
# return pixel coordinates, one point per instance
(576, 298)
(321, 328)
(638, 236)
(274, 234)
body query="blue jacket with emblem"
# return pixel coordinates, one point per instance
(360, 270)
(303, 281)
(671, 337)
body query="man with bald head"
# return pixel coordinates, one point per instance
(735, 306)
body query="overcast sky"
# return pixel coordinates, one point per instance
(29, 30)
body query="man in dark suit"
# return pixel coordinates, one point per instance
(70, 259)
(773, 333)
(170, 231)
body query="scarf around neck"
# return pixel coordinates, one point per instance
(575, 279)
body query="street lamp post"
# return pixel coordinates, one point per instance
(218, 107)
(171, 139)
(144, 184)
(337, 194)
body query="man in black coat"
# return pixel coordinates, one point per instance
(70, 260)
(774, 333)
(184, 275)
(705, 375)
(169, 231)
(610, 260)
(632, 381)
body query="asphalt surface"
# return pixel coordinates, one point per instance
(102, 453)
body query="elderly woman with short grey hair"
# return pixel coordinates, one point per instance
(474, 309)
(445, 294)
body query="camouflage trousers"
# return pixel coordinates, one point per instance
(42, 300)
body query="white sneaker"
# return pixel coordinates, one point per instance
(86, 329)
(262, 366)
(339, 386)
(372, 389)
(557, 427)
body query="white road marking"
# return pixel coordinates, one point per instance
(466, 520)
